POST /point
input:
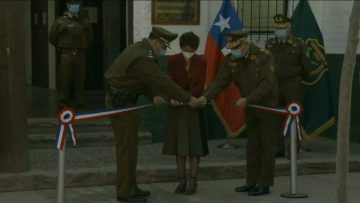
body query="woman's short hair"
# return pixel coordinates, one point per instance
(190, 39)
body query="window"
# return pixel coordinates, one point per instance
(257, 15)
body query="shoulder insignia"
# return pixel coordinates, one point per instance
(150, 54)
(253, 57)
(232, 64)
(265, 51)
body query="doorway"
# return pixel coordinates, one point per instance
(39, 44)
(111, 36)
(94, 76)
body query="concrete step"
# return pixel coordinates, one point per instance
(86, 166)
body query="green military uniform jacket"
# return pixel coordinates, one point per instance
(136, 70)
(253, 75)
(71, 32)
(290, 58)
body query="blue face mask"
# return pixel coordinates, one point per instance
(74, 8)
(237, 53)
(162, 52)
(281, 33)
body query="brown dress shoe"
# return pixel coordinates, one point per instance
(192, 186)
(180, 189)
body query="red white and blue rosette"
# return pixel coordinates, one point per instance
(294, 110)
(66, 118)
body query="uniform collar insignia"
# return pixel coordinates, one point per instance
(253, 57)
(232, 64)
(150, 54)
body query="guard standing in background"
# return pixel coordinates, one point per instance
(291, 67)
(136, 72)
(71, 35)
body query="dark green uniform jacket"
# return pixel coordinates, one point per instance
(290, 58)
(137, 70)
(253, 75)
(71, 32)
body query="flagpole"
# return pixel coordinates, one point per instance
(293, 166)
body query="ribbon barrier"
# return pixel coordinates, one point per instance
(292, 112)
(67, 119)
(292, 127)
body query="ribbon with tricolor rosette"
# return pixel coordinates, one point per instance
(67, 119)
(292, 113)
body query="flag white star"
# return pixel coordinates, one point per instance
(223, 23)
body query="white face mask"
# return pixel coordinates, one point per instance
(281, 33)
(187, 55)
(74, 8)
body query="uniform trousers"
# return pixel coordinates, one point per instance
(72, 70)
(260, 154)
(126, 132)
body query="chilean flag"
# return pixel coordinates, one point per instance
(226, 20)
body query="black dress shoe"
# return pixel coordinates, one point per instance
(245, 188)
(181, 188)
(140, 192)
(259, 190)
(133, 198)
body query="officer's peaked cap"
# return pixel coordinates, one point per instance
(164, 35)
(235, 37)
(281, 21)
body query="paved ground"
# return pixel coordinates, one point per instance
(95, 166)
(320, 188)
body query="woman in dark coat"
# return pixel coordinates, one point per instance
(184, 130)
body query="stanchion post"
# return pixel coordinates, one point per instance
(293, 166)
(61, 177)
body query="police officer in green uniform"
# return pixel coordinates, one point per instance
(72, 35)
(251, 68)
(136, 72)
(291, 67)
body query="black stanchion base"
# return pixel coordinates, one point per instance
(228, 146)
(297, 195)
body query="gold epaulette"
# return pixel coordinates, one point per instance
(265, 51)
(273, 41)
